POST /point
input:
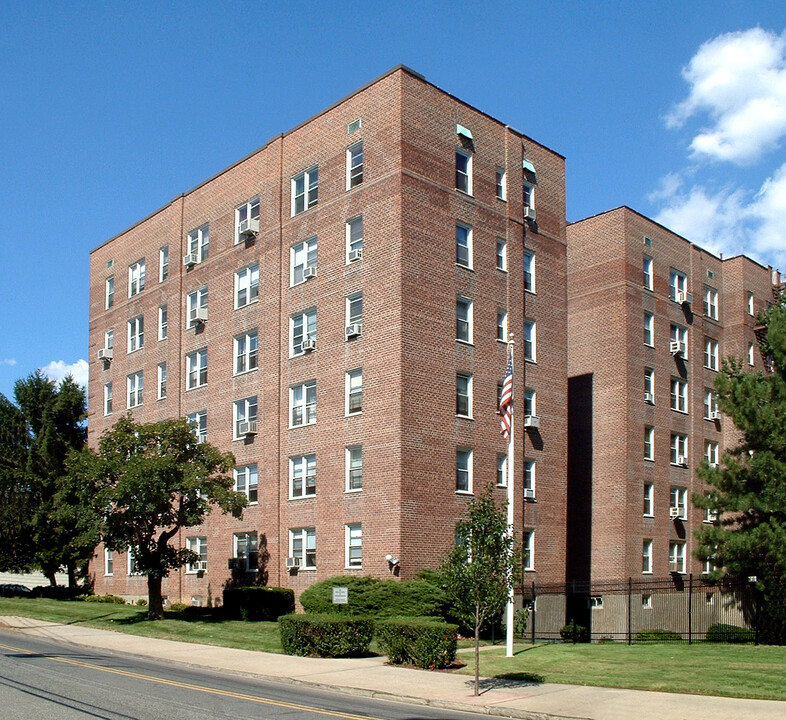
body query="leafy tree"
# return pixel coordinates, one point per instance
(145, 483)
(748, 488)
(478, 572)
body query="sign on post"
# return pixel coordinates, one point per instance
(340, 595)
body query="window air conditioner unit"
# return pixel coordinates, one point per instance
(201, 565)
(714, 415)
(355, 255)
(529, 493)
(684, 298)
(649, 398)
(309, 344)
(234, 563)
(199, 315)
(529, 213)
(675, 567)
(309, 272)
(676, 348)
(105, 354)
(682, 461)
(674, 513)
(531, 421)
(293, 562)
(354, 330)
(248, 228)
(190, 260)
(249, 427)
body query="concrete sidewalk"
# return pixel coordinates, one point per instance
(372, 677)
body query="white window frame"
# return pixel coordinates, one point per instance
(711, 354)
(197, 544)
(502, 254)
(246, 548)
(136, 277)
(751, 354)
(161, 381)
(649, 383)
(302, 326)
(678, 447)
(530, 341)
(136, 333)
(677, 556)
(711, 450)
(194, 300)
(679, 333)
(528, 480)
(302, 255)
(678, 498)
(649, 329)
(529, 271)
(135, 389)
(353, 461)
(132, 567)
(648, 509)
(303, 545)
(649, 443)
(528, 195)
(646, 556)
(464, 394)
(710, 403)
(354, 235)
(248, 210)
(679, 395)
(502, 326)
(109, 563)
(678, 284)
(163, 263)
(247, 482)
(502, 184)
(710, 302)
(464, 471)
(198, 242)
(109, 339)
(464, 245)
(355, 165)
(354, 308)
(245, 353)
(647, 273)
(528, 545)
(464, 318)
(353, 392)
(163, 321)
(247, 286)
(353, 546)
(196, 369)
(530, 402)
(303, 404)
(109, 292)
(305, 190)
(199, 421)
(302, 476)
(107, 398)
(502, 469)
(244, 410)
(750, 304)
(464, 171)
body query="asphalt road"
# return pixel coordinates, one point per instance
(48, 681)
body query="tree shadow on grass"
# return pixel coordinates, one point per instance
(202, 615)
(511, 681)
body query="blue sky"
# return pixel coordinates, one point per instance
(108, 110)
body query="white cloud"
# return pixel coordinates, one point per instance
(739, 81)
(768, 210)
(57, 370)
(8, 361)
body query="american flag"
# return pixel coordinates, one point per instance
(506, 400)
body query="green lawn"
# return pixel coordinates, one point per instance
(701, 668)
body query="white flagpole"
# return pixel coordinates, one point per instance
(511, 609)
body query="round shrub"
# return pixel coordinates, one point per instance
(424, 642)
(721, 632)
(178, 607)
(114, 599)
(572, 632)
(657, 635)
(325, 635)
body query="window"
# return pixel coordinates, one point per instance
(596, 602)
(246, 219)
(502, 184)
(711, 354)
(751, 355)
(198, 242)
(197, 545)
(196, 369)
(646, 557)
(109, 562)
(108, 398)
(163, 263)
(198, 421)
(354, 309)
(247, 482)
(303, 546)
(528, 196)
(354, 468)
(710, 516)
(649, 329)
(677, 557)
(464, 319)
(136, 278)
(109, 292)
(354, 239)
(502, 326)
(711, 302)
(245, 410)
(679, 395)
(647, 280)
(649, 498)
(353, 384)
(711, 452)
(649, 386)
(109, 339)
(353, 538)
(305, 190)
(750, 303)
(163, 322)
(303, 260)
(246, 352)
(649, 443)
(135, 388)
(529, 270)
(133, 565)
(302, 326)
(247, 550)
(647, 241)
(678, 498)
(678, 285)
(710, 404)
(502, 469)
(529, 479)
(161, 380)
(464, 395)
(136, 333)
(679, 334)
(195, 301)
(528, 544)
(646, 601)
(464, 245)
(464, 171)
(679, 449)
(502, 254)
(463, 470)
(529, 402)
(247, 285)
(529, 341)
(354, 165)
(302, 476)
(303, 403)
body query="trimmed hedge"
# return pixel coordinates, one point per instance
(377, 598)
(423, 642)
(657, 635)
(57, 592)
(258, 603)
(571, 632)
(721, 632)
(113, 599)
(325, 635)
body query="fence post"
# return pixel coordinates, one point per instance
(630, 598)
(690, 608)
(757, 612)
(533, 613)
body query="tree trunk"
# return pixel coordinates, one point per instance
(71, 568)
(154, 602)
(477, 650)
(50, 575)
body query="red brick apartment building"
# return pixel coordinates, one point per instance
(651, 318)
(333, 310)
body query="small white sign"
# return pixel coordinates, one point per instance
(340, 595)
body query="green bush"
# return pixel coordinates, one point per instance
(325, 635)
(258, 603)
(141, 602)
(177, 607)
(423, 642)
(377, 598)
(105, 599)
(520, 620)
(572, 632)
(657, 635)
(720, 632)
(56, 592)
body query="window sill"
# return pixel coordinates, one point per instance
(469, 343)
(353, 414)
(244, 372)
(352, 491)
(531, 361)
(465, 193)
(250, 302)
(646, 572)
(502, 270)
(295, 427)
(464, 417)
(196, 387)
(648, 516)
(530, 499)
(465, 267)
(464, 492)
(301, 497)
